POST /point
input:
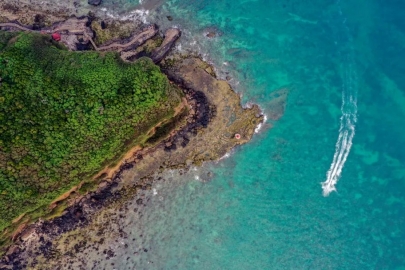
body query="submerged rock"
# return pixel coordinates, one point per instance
(94, 2)
(211, 34)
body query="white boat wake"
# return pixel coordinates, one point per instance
(346, 134)
(348, 119)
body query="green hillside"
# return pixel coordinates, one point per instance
(65, 115)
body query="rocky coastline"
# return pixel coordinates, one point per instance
(213, 124)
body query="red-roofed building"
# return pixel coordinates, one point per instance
(56, 36)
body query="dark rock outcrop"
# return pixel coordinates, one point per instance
(39, 22)
(94, 2)
(171, 36)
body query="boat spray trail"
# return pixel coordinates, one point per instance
(349, 108)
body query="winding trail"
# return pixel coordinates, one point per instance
(16, 26)
(138, 39)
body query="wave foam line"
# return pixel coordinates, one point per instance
(346, 130)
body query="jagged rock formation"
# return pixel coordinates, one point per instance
(171, 36)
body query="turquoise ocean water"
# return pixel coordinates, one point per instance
(344, 120)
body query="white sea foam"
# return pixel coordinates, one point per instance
(347, 121)
(227, 155)
(134, 15)
(142, 14)
(259, 126)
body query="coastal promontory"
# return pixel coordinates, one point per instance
(92, 112)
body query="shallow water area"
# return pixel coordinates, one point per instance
(264, 207)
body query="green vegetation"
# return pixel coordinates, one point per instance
(5, 37)
(66, 115)
(113, 30)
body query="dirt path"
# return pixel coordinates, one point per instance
(16, 26)
(142, 37)
(71, 29)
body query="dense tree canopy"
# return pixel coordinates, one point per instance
(65, 115)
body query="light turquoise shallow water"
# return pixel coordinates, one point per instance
(264, 207)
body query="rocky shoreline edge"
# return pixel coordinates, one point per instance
(212, 125)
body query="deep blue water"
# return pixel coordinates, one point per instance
(264, 209)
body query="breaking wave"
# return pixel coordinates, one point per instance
(259, 126)
(349, 114)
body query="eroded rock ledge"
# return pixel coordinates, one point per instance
(171, 36)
